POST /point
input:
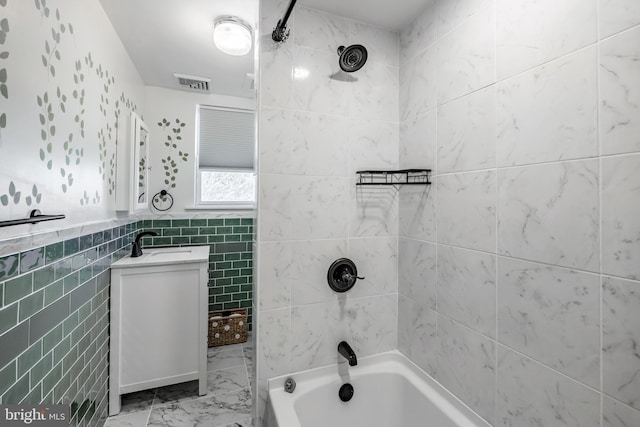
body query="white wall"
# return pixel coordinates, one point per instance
(171, 105)
(82, 185)
(524, 297)
(315, 132)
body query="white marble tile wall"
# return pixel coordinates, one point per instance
(466, 287)
(620, 209)
(467, 132)
(519, 277)
(466, 365)
(318, 126)
(417, 339)
(619, 92)
(617, 15)
(530, 394)
(549, 113)
(549, 213)
(532, 32)
(467, 57)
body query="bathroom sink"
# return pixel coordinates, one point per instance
(171, 256)
(159, 256)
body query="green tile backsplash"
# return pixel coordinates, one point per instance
(230, 260)
(54, 323)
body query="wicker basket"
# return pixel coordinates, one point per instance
(227, 327)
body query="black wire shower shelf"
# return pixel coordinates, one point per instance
(394, 177)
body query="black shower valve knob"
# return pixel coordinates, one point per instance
(342, 275)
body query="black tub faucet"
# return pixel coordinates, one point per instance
(347, 352)
(136, 246)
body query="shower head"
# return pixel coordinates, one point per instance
(352, 58)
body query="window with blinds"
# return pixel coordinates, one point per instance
(226, 152)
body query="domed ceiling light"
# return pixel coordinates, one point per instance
(232, 36)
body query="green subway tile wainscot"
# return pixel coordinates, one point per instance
(8, 376)
(241, 296)
(31, 260)
(224, 230)
(51, 339)
(53, 291)
(230, 305)
(41, 368)
(17, 392)
(30, 305)
(8, 318)
(34, 396)
(170, 232)
(207, 230)
(18, 288)
(54, 252)
(232, 257)
(216, 239)
(71, 246)
(29, 358)
(42, 277)
(180, 240)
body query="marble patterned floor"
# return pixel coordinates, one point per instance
(228, 402)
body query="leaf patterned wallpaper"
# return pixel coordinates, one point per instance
(66, 86)
(171, 131)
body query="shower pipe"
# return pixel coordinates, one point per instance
(280, 32)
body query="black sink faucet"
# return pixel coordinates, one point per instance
(345, 350)
(136, 246)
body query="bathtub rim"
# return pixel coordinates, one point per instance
(390, 361)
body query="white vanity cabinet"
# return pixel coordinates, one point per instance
(158, 321)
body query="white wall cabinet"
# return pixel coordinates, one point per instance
(132, 169)
(158, 321)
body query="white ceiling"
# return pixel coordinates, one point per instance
(389, 14)
(176, 36)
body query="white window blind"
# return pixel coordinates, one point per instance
(227, 138)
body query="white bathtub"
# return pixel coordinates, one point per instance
(389, 391)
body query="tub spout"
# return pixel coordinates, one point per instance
(347, 352)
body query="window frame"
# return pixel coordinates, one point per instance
(199, 203)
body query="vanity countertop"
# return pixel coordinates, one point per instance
(162, 256)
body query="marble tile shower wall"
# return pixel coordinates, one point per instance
(317, 127)
(519, 284)
(54, 321)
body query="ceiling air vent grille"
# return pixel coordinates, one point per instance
(199, 84)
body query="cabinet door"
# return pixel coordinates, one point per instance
(132, 165)
(140, 172)
(159, 329)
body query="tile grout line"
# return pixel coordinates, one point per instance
(600, 188)
(497, 222)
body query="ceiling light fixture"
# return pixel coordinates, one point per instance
(232, 35)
